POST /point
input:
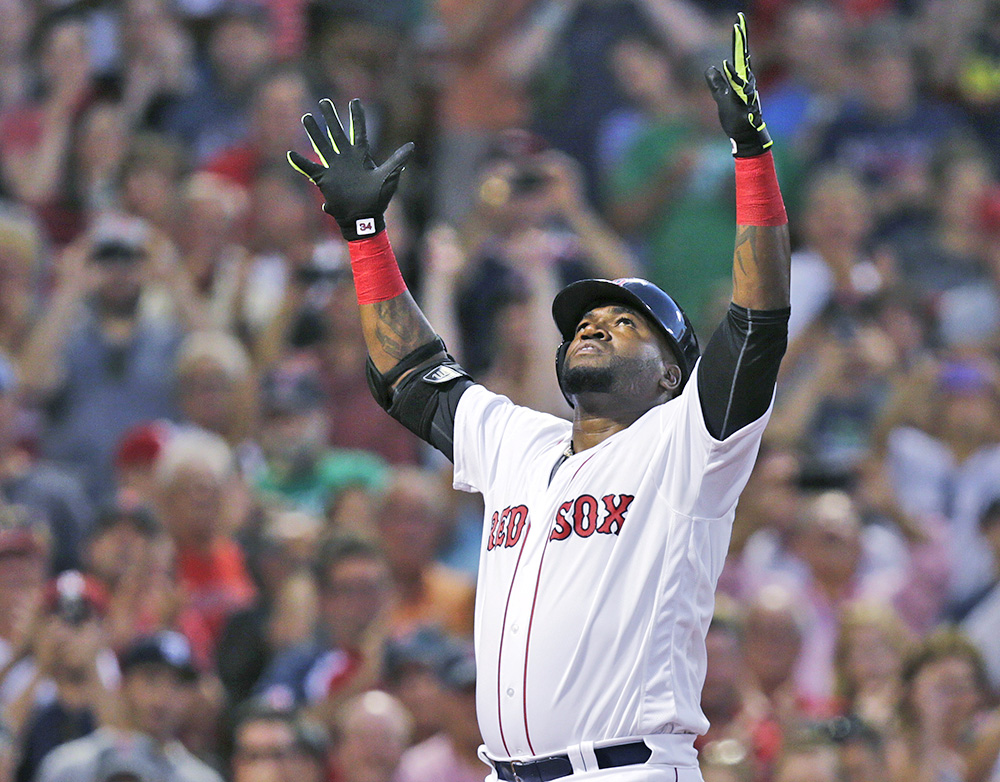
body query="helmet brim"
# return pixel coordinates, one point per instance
(578, 298)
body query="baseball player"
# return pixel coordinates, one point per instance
(604, 537)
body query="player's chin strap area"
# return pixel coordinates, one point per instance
(583, 757)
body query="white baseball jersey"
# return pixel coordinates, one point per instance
(596, 591)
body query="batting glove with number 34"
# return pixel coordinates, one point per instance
(735, 93)
(356, 190)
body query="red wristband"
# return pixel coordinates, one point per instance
(758, 197)
(376, 273)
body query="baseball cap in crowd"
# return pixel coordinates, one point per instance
(167, 648)
(117, 238)
(459, 671)
(142, 444)
(129, 763)
(75, 597)
(292, 387)
(426, 648)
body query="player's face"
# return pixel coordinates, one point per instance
(617, 351)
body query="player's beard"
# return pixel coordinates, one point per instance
(617, 375)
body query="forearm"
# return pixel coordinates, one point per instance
(393, 329)
(762, 257)
(392, 323)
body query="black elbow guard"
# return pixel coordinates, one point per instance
(425, 401)
(381, 385)
(416, 402)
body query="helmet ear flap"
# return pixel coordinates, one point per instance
(560, 360)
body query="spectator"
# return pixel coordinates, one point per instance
(343, 659)
(833, 268)
(373, 731)
(670, 191)
(157, 688)
(211, 210)
(830, 543)
(194, 474)
(274, 745)
(887, 133)
(943, 456)
(356, 422)
(411, 668)
(765, 523)
(453, 754)
(944, 253)
(26, 480)
(573, 86)
(871, 649)
(737, 712)
(22, 268)
(291, 264)
(99, 368)
(24, 553)
(299, 467)
(772, 641)
(979, 621)
(215, 113)
(135, 462)
(284, 614)
(16, 20)
(280, 98)
(814, 74)
(215, 389)
(98, 151)
(411, 523)
(36, 134)
(151, 170)
(532, 232)
(809, 759)
(76, 666)
(944, 687)
(479, 99)
(156, 66)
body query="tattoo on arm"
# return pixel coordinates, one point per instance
(393, 329)
(761, 267)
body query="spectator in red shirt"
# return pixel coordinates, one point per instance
(193, 476)
(279, 101)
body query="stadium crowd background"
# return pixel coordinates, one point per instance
(215, 549)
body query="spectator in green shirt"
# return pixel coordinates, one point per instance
(300, 470)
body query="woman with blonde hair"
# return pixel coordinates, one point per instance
(871, 648)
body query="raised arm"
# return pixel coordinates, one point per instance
(357, 192)
(761, 259)
(409, 373)
(740, 364)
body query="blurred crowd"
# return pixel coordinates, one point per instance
(220, 558)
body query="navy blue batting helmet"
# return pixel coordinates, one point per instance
(577, 299)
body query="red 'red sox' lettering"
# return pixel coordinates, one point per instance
(506, 527)
(586, 515)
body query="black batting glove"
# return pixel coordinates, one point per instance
(356, 190)
(736, 95)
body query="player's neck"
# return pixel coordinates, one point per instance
(591, 429)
